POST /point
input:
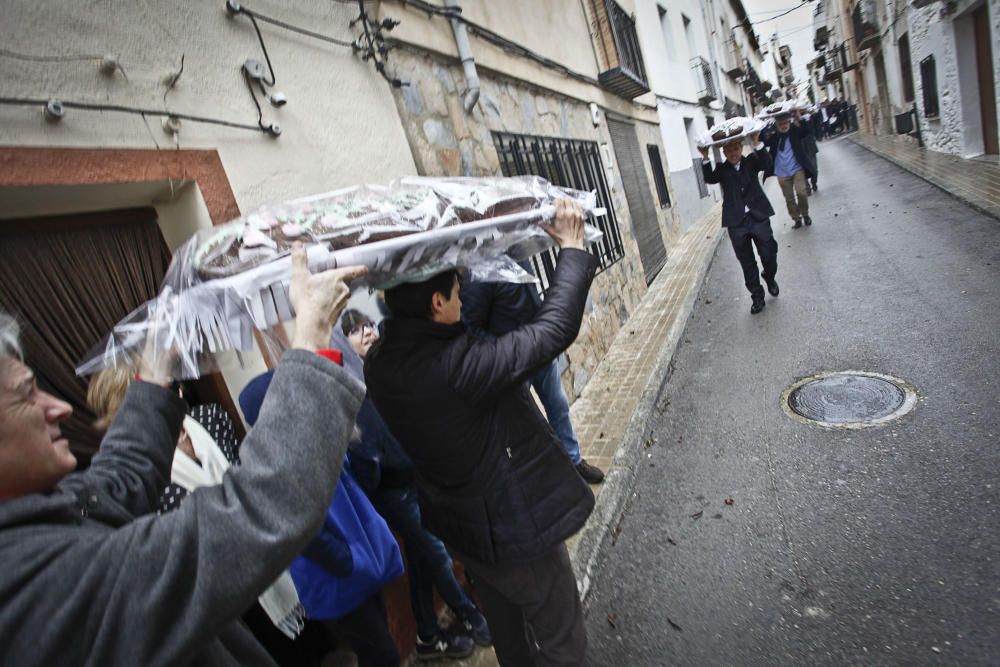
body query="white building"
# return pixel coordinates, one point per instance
(700, 74)
(937, 59)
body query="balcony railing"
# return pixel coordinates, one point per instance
(865, 21)
(821, 38)
(618, 44)
(704, 82)
(732, 59)
(834, 63)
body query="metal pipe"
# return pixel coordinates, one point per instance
(465, 55)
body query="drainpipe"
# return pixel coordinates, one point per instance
(465, 55)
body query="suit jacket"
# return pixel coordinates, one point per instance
(741, 188)
(798, 135)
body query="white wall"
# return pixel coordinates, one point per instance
(951, 41)
(326, 141)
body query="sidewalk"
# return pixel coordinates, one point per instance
(974, 181)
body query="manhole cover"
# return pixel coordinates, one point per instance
(852, 399)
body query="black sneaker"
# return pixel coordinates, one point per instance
(798, 223)
(806, 219)
(757, 305)
(589, 473)
(474, 625)
(445, 645)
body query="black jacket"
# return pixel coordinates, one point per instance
(799, 136)
(741, 188)
(493, 309)
(493, 478)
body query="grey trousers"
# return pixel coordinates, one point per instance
(794, 189)
(533, 609)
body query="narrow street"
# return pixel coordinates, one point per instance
(874, 546)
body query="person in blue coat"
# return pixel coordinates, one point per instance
(340, 574)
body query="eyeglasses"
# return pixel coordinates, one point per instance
(359, 329)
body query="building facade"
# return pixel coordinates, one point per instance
(196, 113)
(925, 69)
(703, 66)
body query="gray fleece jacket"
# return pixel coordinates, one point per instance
(90, 575)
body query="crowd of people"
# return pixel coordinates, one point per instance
(181, 544)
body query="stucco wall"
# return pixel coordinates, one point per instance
(948, 37)
(448, 141)
(679, 143)
(554, 29)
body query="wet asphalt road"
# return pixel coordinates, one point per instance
(879, 546)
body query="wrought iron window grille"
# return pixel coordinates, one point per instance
(571, 163)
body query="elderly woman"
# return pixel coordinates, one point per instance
(93, 576)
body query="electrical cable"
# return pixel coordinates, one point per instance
(90, 106)
(288, 26)
(263, 48)
(260, 113)
(25, 56)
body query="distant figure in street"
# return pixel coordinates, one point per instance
(746, 213)
(494, 309)
(494, 480)
(792, 164)
(809, 143)
(819, 122)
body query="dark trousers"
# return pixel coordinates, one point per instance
(743, 237)
(367, 630)
(533, 609)
(426, 557)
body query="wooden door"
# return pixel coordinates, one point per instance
(984, 70)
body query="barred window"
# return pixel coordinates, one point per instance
(928, 82)
(658, 176)
(570, 163)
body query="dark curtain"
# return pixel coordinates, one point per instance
(69, 280)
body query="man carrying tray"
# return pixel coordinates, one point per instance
(794, 164)
(746, 211)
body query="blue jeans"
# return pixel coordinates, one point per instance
(550, 393)
(427, 559)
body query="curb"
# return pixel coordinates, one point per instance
(928, 179)
(615, 495)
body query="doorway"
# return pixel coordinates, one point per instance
(984, 73)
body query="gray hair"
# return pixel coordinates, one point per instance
(10, 336)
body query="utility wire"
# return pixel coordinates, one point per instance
(288, 26)
(90, 106)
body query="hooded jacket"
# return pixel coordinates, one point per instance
(493, 479)
(93, 576)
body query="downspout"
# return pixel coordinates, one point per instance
(465, 55)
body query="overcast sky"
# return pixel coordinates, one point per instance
(794, 29)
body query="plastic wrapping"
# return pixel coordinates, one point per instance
(776, 109)
(729, 130)
(229, 280)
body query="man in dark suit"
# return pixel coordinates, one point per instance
(793, 164)
(746, 213)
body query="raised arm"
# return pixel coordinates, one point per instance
(711, 176)
(192, 572)
(480, 369)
